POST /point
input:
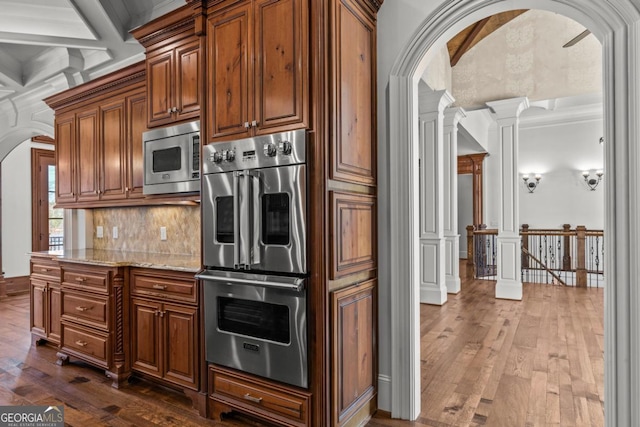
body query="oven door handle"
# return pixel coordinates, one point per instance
(236, 219)
(296, 284)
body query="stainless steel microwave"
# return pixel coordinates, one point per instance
(172, 159)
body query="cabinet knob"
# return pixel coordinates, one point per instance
(254, 123)
(174, 109)
(247, 125)
(159, 286)
(81, 308)
(44, 270)
(169, 111)
(81, 343)
(81, 279)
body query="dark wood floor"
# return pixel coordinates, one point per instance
(484, 362)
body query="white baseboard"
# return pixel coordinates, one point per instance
(384, 393)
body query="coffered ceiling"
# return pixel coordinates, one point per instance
(77, 39)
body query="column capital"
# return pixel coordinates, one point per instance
(452, 116)
(434, 102)
(508, 108)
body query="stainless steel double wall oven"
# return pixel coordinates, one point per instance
(254, 205)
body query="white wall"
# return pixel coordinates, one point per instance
(438, 73)
(465, 210)
(561, 152)
(16, 209)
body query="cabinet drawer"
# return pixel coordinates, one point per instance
(86, 309)
(84, 342)
(259, 394)
(46, 269)
(85, 279)
(164, 286)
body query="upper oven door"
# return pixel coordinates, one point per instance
(256, 219)
(279, 219)
(218, 219)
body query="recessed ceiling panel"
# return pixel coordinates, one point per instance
(52, 18)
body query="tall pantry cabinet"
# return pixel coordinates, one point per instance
(274, 65)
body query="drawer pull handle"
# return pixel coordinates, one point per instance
(158, 286)
(81, 279)
(248, 397)
(44, 270)
(81, 343)
(80, 308)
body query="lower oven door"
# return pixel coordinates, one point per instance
(257, 324)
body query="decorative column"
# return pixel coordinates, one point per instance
(507, 112)
(433, 288)
(452, 117)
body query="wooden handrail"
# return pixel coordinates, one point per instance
(572, 241)
(540, 263)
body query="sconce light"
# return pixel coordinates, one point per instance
(531, 186)
(592, 183)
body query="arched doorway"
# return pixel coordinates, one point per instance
(614, 23)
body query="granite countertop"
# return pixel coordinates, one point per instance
(188, 263)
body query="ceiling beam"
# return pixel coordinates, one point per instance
(469, 40)
(38, 40)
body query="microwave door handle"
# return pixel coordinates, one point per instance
(236, 219)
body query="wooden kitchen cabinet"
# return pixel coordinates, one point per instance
(173, 83)
(95, 318)
(354, 362)
(257, 68)
(165, 327)
(45, 301)
(99, 148)
(173, 67)
(65, 126)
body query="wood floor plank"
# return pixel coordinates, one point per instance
(488, 362)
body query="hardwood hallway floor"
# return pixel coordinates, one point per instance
(535, 362)
(485, 362)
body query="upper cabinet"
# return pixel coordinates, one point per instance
(174, 67)
(257, 68)
(99, 128)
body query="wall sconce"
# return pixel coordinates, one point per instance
(592, 183)
(531, 186)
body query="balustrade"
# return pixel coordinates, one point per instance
(560, 256)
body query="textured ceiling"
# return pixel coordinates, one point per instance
(76, 39)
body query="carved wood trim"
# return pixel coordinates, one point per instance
(100, 86)
(43, 139)
(179, 22)
(472, 164)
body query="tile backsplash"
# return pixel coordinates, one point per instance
(139, 229)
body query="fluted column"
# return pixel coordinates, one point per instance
(433, 288)
(507, 113)
(452, 117)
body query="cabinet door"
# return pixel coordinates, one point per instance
(353, 314)
(87, 165)
(281, 65)
(230, 84)
(112, 151)
(188, 80)
(159, 88)
(146, 340)
(65, 160)
(54, 304)
(38, 307)
(137, 124)
(181, 344)
(353, 149)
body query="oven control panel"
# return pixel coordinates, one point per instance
(286, 148)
